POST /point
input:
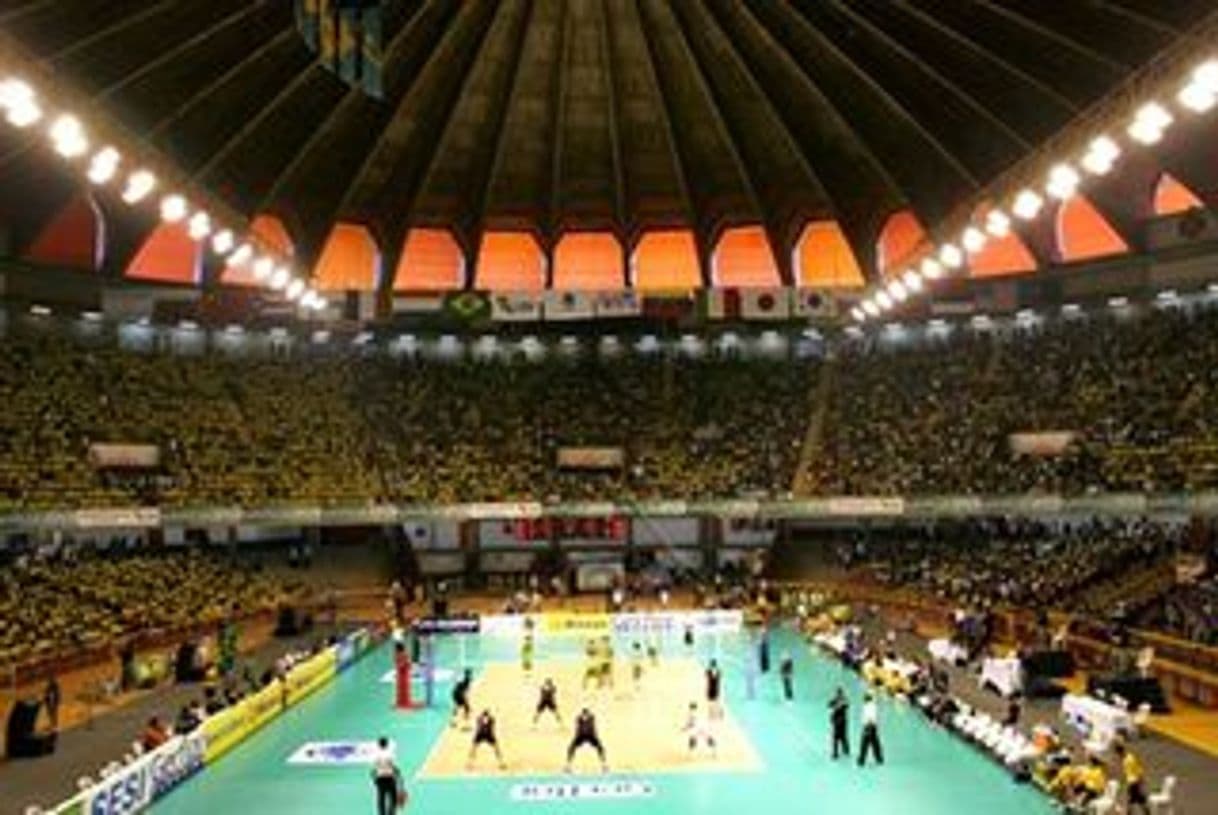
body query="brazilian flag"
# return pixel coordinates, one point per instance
(468, 306)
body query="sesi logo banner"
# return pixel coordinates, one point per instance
(139, 784)
(335, 753)
(581, 791)
(576, 623)
(447, 625)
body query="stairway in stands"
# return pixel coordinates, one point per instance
(818, 406)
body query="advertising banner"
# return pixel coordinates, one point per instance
(447, 625)
(233, 725)
(311, 675)
(576, 624)
(137, 785)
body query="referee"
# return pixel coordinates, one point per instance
(386, 779)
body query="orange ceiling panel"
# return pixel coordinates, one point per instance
(588, 261)
(1084, 234)
(169, 255)
(349, 262)
(431, 260)
(510, 261)
(1173, 198)
(902, 242)
(268, 232)
(75, 237)
(666, 260)
(743, 259)
(823, 258)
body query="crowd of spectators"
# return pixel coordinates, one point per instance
(1139, 393)
(332, 429)
(74, 598)
(985, 564)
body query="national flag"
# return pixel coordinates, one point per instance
(418, 302)
(765, 304)
(815, 304)
(721, 304)
(568, 305)
(669, 305)
(515, 307)
(624, 303)
(467, 305)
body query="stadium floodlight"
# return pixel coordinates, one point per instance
(280, 278)
(1149, 123)
(1101, 155)
(241, 256)
(858, 314)
(20, 103)
(320, 303)
(1196, 98)
(1200, 95)
(1205, 75)
(950, 256)
(913, 280)
(104, 165)
(295, 289)
(1027, 205)
(173, 208)
(222, 242)
(973, 240)
(998, 223)
(68, 136)
(199, 226)
(140, 185)
(883, 300)
(1063, 182)
(264, 267)
(871, 308)
(897, 291)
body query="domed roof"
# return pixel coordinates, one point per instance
(615, 115)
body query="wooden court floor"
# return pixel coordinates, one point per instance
(642, 729)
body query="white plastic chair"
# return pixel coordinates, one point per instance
(1161, 802)
(1106, 804)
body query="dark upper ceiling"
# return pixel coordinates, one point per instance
(620, 114)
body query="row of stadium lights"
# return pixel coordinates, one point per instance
(1199, 95)
(20, 107)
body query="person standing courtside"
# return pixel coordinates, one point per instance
(871, 732)
(387, 779)
(839, 717)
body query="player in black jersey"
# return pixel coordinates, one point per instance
(461, 697)
(484, 733)
(547, 700)
(585, 733)
(714, 683)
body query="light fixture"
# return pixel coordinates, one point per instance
(199, 226)
(998, 223)
(139, 185)
(883, 300)
(858, 314)
(241, 256)
(222, 242)
(104, 165)
(173, 208)
(1149, 123)
(1205, 75)
(1196, 98)
(295, 289)
(871, 308)
(933, 269)
(19, 103)
(280, 278)
(68, 136)
(898, 292)
(913, 280)
(264, 267)
(973, 240)
(1063, 182)
(1101, 155)
(950, 256)
(1027, 205)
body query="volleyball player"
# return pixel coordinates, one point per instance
(698, 728)
(714, 690)
(585, 734)
(547, 700)
(526, 655)
(592, 672)
(636, 666)
(461, 697)
(484, 733)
